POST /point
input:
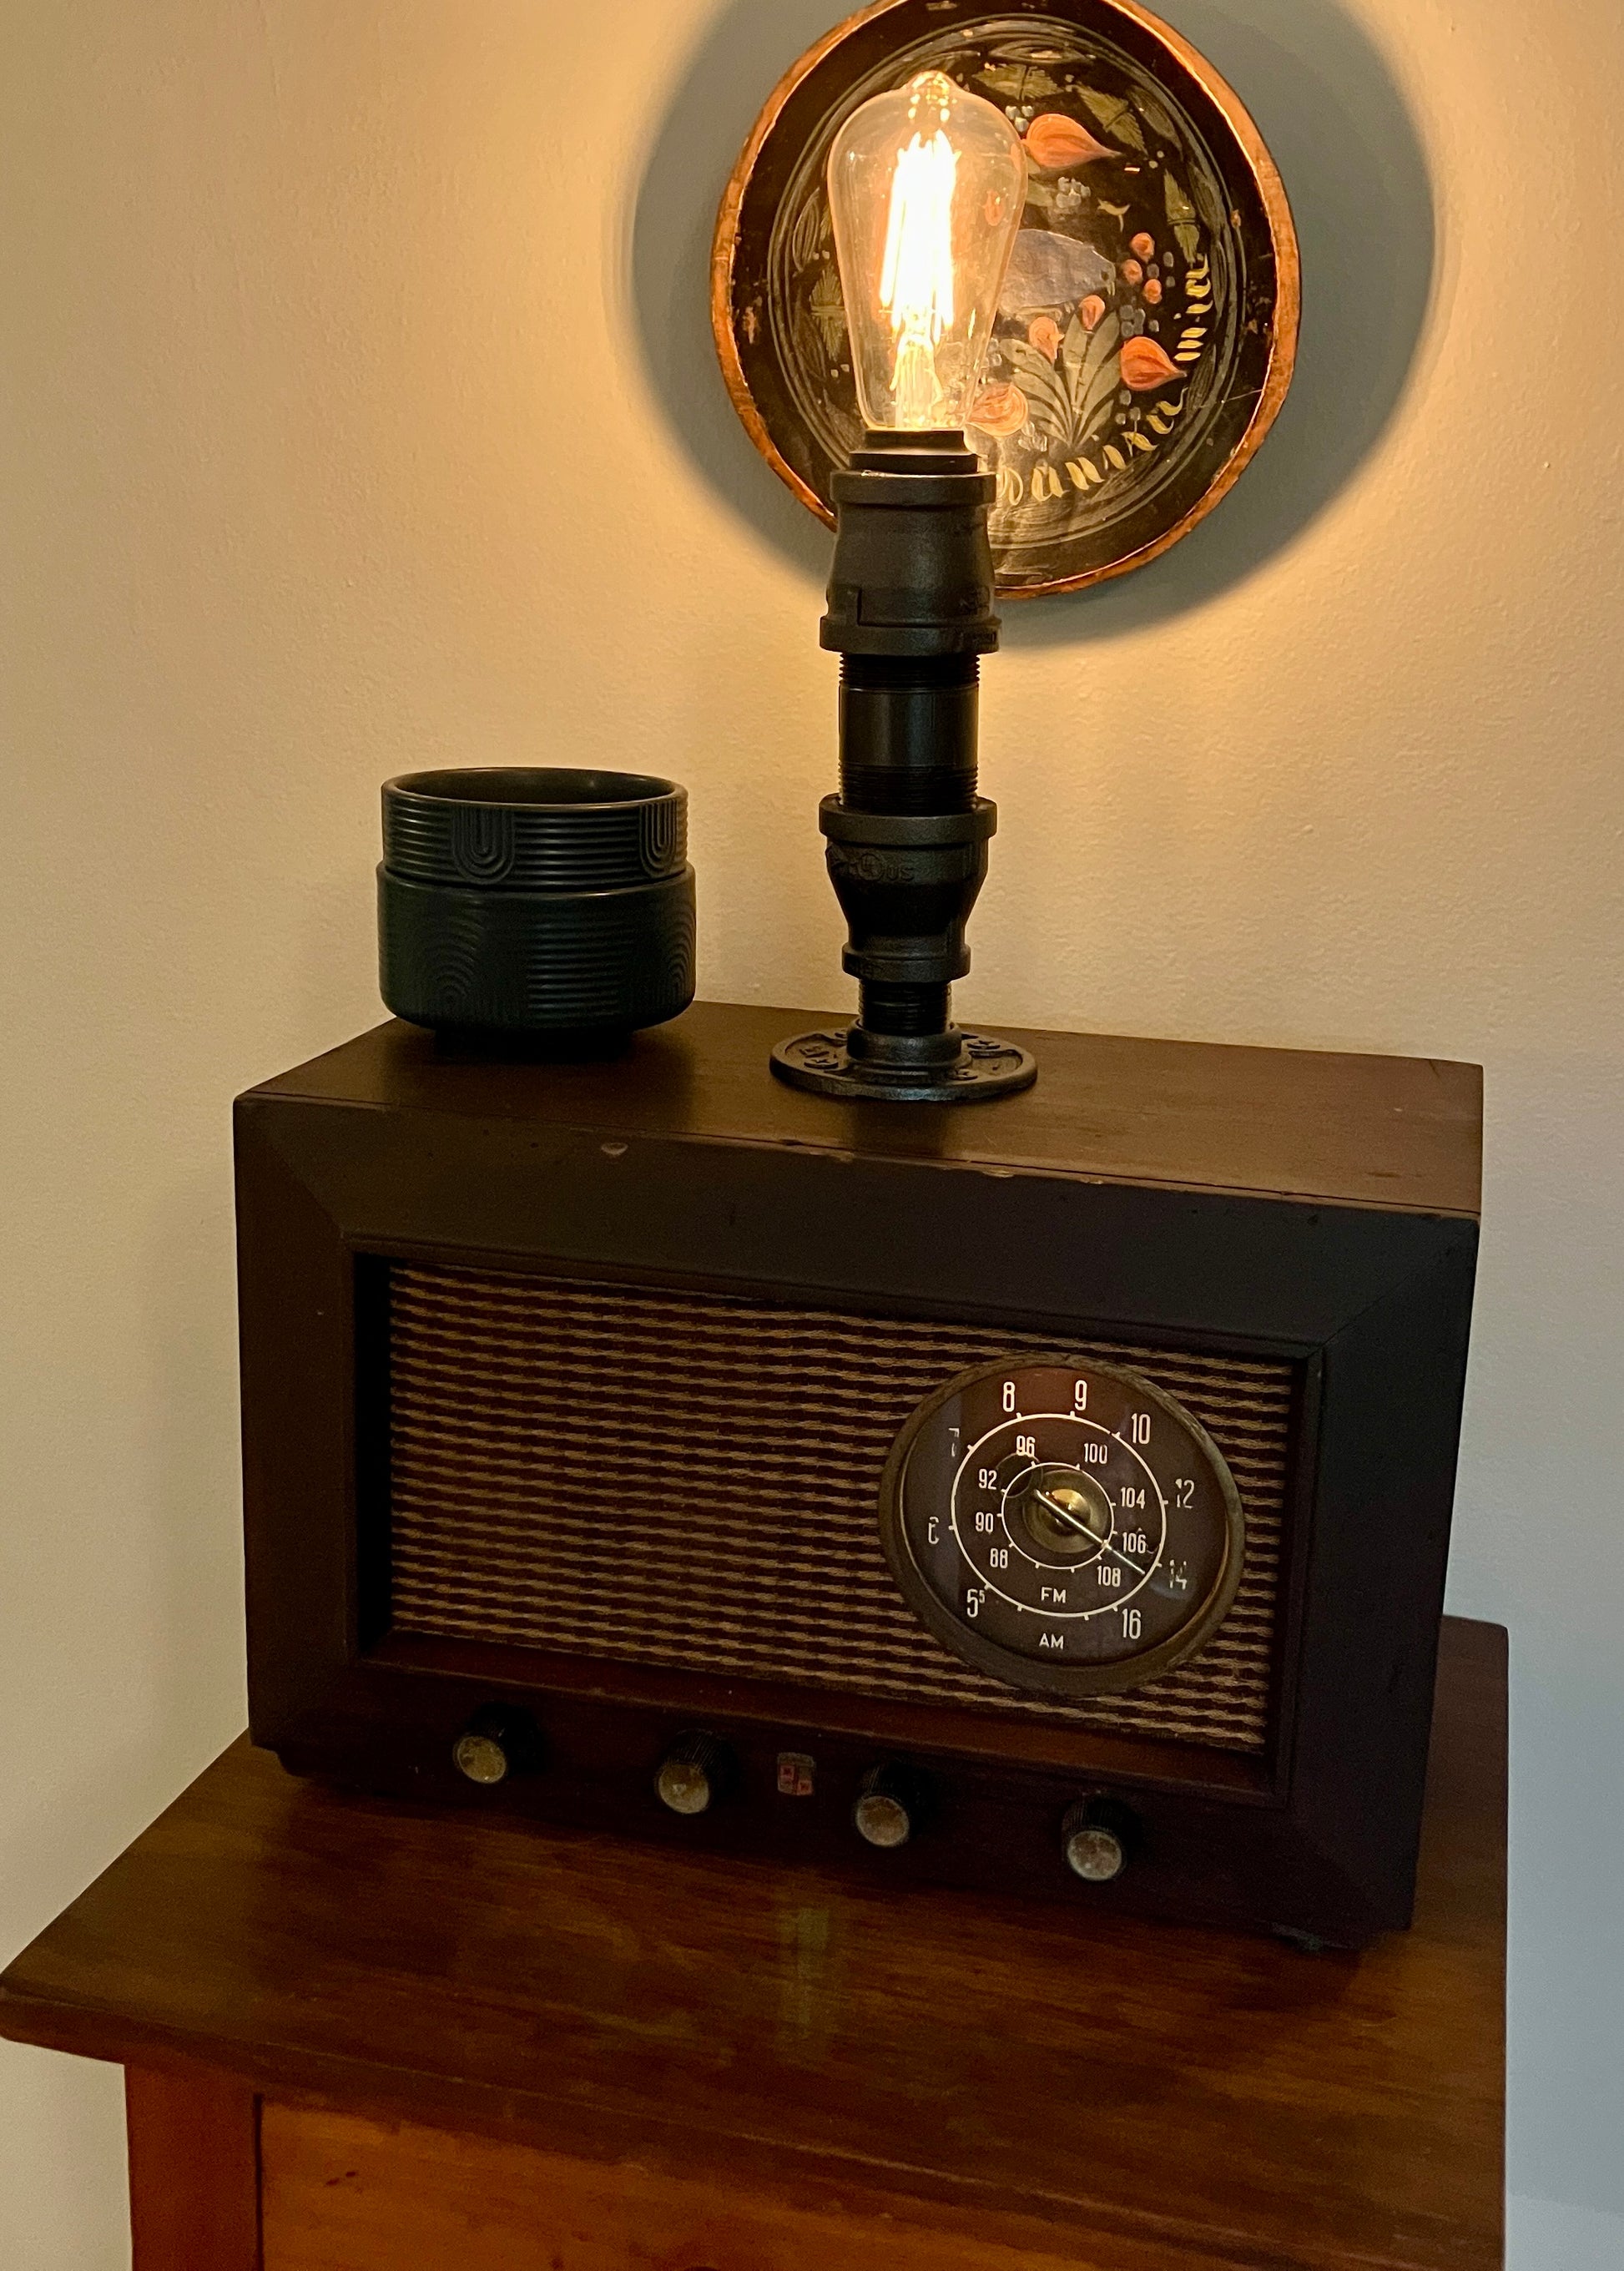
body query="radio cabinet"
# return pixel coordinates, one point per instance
(572, 1393)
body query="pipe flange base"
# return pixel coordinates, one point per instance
(984, 1068)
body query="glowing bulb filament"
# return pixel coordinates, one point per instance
(916, 275)
(926, 188)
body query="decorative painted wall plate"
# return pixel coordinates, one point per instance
(1149, 321)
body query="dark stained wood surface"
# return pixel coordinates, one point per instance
(1136, 2094)
(1389, 1132)
(194, 2172)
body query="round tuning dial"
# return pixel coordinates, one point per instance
(695, 1772)
(890, 1805)
(1097, 1838)
(496, 1742)
(1063, 1524)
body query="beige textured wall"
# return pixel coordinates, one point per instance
(355, 413)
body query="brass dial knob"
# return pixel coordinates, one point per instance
(1097, 1839)
(498, 1741)
(890, 1805)
(695, 1772)
(480, 1758)
(1065, 1513)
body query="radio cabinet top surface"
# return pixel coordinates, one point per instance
(1122, 2098)
(1397, 1134)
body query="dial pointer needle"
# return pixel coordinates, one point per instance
(1070, 1519)
(1063, 1513)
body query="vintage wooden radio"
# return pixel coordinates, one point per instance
(1050, 1495)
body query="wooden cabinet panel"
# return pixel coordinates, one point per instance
(344, 2194)
(194, 2176)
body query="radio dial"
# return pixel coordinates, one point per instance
(1096, 1839)
(1062, 1525)
(694, 1773)
(497, 1743)
(889, 1806)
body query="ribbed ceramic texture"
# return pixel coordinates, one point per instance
(535, 962)
(692, 1482)
(533, 847)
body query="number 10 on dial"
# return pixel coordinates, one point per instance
(1064, 1525)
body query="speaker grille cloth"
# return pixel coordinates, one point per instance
(551, 1437)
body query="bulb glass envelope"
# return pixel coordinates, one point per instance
(926, 186)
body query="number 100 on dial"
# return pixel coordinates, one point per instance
(1064, 1525)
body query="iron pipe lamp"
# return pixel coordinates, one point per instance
(926, 186)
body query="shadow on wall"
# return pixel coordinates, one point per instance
(1356, 178)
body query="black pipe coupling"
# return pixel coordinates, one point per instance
(913, 570)
(910, 613)
(907, 882)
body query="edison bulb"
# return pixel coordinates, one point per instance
(925, 186)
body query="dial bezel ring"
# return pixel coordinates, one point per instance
(990, 1656)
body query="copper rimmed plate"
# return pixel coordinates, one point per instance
(1148, 325)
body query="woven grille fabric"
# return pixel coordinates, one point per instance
(691, 1480)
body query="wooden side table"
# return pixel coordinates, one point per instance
(363, 2037)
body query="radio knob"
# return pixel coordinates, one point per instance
(890, 1802)
(1097, 1838)
(497, 1742)
(695, 1772)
